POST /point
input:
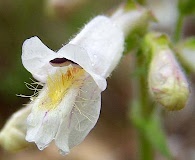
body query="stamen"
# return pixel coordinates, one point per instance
(59, 84)
(33, 86)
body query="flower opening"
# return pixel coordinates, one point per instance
(58, 84)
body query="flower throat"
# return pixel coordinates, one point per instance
(58, 85)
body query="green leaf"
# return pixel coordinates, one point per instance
(151, 128)
(156, 136)
(190, 43)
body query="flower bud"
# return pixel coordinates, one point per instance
(12, 136)
(167, 83)
(132, 17)
(166, 13)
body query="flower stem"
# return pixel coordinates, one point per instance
(146, 151)
(178, 28)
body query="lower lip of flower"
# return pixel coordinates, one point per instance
(58, 84)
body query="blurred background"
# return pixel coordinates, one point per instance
(55, 22)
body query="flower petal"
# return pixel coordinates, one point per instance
(43, 123)
(36, 57)
(44, 132)
(82, 118)
(103, 42)
(81, 57)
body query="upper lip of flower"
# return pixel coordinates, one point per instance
(97, 49)
(44, 65)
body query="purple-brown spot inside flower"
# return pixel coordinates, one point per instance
(60, 62)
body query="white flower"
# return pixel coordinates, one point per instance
(68, 106)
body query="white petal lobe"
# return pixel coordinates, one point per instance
(80, 56)
(103, 41)
(82, 117)
(36, 57)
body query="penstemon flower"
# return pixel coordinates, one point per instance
(68, 105)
